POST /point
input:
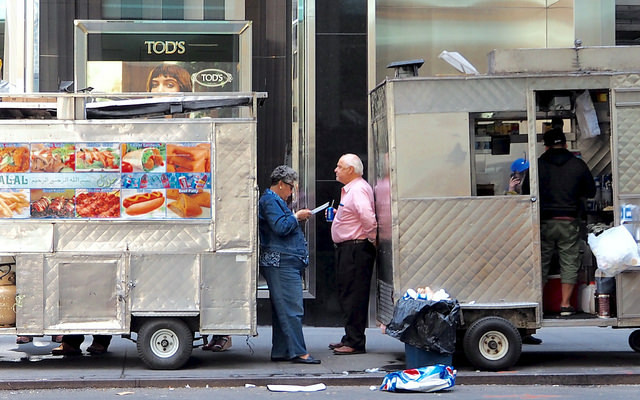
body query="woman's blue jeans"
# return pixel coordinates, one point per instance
(287, 309)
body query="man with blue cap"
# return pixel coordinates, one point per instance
(519, 180)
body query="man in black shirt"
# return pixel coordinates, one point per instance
(564, 181)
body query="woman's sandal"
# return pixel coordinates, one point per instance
(24, 339)
(96, 349)
(66, 350)
(208, 346)
(222, 343)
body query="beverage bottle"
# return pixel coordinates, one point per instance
(598, 196)
(607, 192)
(144, 181)
(165, 181)
(201, 182)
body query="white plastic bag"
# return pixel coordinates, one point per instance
(615, 250)
(586, 116)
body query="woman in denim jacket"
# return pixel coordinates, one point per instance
(283, 258)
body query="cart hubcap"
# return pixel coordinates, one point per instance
(493, 345)
(164, 343)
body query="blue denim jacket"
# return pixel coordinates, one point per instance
(279, 229)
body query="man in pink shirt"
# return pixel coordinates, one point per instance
(354, 233)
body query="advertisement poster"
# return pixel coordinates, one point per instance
(154, 181)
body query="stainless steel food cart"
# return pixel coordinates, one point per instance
(164, 277)
(440, 174)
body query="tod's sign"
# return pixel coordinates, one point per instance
(165, 46)
(212, 77)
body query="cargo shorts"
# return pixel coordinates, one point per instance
(563, 236)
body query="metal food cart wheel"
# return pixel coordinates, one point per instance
(634, 340)
(164, 343)
(492, 343)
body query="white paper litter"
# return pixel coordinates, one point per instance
(295, 388)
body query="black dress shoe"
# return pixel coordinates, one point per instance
(308, 360)
(531, 340)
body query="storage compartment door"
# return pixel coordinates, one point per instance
(85, 294)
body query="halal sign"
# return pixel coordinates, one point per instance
(212, 77)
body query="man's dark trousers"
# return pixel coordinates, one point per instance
(354, 267)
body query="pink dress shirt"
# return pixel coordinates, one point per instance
(355, 217)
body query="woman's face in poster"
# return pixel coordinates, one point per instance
(163, 83)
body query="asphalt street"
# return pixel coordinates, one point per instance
(568, 356)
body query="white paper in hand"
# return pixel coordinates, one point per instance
(320, 208)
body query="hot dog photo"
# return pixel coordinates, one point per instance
(143, 204)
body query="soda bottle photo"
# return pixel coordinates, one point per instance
(144, 181)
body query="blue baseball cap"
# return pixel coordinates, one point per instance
(519, 165)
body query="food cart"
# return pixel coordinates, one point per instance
(442, 150)
(119, 220)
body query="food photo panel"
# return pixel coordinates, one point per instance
(188, 203)
(53, 157)
(96, 157)
(143, 157)
(14, 157)
(147, 204)
(14, 203)
(188, 157)
(98, 203)
(52, 203)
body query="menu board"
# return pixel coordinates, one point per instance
(156, 181)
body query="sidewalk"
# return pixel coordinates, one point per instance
(586, 355)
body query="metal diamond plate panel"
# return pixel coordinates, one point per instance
(235, 186)
(379, 103)
(237, 293)
(472, 94)
(476, 249)
(105, 131)
(628, 121)
(628, 288)
(17, 237)
(384, 302)
(626, 81)
(164, 282)
(29, 294)
(116, 237)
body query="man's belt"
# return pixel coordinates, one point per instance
(351, 242)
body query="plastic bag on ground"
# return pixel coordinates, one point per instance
(615, 250)
(424, 379)
(426, 324)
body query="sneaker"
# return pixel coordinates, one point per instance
(567, 311)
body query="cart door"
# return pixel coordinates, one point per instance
(457, 227)
(626, 181)
(85, 294)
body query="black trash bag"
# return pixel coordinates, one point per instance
(426, 324)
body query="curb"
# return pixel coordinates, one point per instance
(563, 379)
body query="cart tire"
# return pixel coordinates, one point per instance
(164, 343)
(634, 340)
(492, 343)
